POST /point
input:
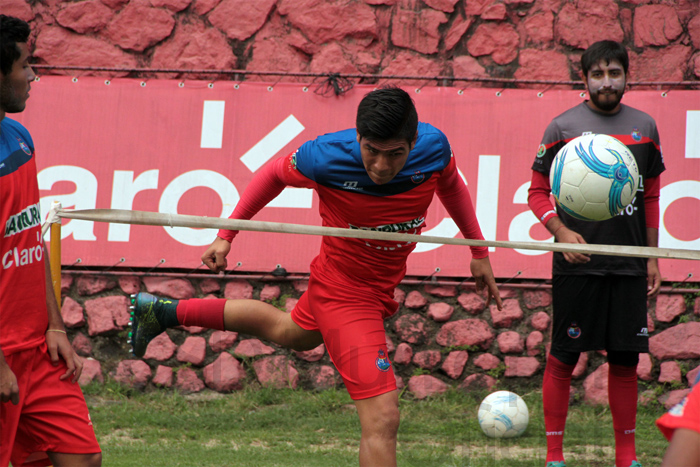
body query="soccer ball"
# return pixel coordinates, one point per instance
(594, 177)
(503, 414)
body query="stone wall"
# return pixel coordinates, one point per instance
(516, 39)
(443, 335)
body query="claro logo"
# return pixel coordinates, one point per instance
(16, 257)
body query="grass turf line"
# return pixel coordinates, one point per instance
(292, 428)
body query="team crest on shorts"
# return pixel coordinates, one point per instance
(636, 134)
(24, 147)
(574, 331)
(383, 363)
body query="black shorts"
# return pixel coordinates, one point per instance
(599, 313)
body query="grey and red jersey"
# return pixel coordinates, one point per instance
(637, 130)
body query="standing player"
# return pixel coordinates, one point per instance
(600, 302)
(380, 176)
(43, 416)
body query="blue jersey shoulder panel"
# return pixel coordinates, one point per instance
(333, 160)
(16, 146)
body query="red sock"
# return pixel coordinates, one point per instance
(555, 399)
(205, 312)
(622, 393)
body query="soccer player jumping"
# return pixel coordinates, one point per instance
(380, 176)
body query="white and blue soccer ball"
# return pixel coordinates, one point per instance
(594, 177)
(503, 414)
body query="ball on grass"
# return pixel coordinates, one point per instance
(503, 414)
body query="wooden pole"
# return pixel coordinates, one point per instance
(121, 216)
(55, 260)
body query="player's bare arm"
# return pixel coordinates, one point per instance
(653, 272)
(56, 339)
(540, 203)
(9, 391)
(684, 449)
(455, 197)
(265, 186)
(215, 256)
(653, 277)
(483, 275)
(563, 234)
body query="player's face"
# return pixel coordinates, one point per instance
(606, 85)
(14, 87)
(383, 160)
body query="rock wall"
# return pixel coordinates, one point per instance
(443, 335)
(516, 39)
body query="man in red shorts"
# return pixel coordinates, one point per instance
(380, 176)
(43, 416)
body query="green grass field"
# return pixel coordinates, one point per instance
(290, 428)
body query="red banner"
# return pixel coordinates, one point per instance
(192, 147)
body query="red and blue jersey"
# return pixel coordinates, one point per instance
(332, 165)
(334, 161)
(23, 316)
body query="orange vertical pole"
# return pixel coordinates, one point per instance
(55, 259)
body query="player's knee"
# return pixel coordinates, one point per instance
(393, 419)
(389, 426)
(384, 422)
(91, 460)
(95, 460)
(301, 345)
(296, 338)
(74, 460)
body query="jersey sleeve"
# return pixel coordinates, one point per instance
(303, 160)
(656, 162)
(454, 195)
(24, 133)
(652, 211)
(265, 186)
(538, 197)
(538, 194)
(552, 142)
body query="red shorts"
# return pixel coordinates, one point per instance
(351, 320)
(51, 415)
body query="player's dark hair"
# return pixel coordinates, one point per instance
(12, 31)
(604, 50)
(387, 113)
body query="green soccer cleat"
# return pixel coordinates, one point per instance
(635, 464)
(556, 464)
(150, 315)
